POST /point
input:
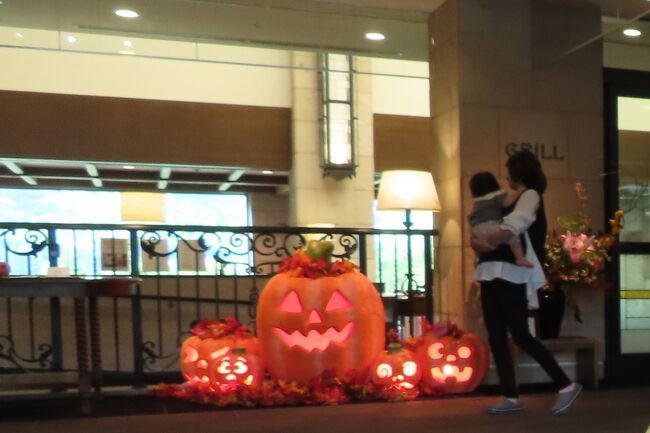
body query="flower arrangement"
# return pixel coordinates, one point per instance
(577, 255)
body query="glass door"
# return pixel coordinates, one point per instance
(628, 181)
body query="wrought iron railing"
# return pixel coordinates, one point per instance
(187, 273)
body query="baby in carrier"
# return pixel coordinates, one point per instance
(487, 213)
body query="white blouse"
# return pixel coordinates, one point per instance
(518, 222)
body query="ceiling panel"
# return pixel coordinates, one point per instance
(143, 177)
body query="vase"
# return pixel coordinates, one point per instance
(551, 311)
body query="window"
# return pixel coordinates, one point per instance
(100, 252)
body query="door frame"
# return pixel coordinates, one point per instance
(619, 367)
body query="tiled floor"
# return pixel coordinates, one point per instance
(600, 411)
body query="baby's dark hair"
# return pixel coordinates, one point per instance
(483, 183)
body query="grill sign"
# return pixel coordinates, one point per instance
(544, 151)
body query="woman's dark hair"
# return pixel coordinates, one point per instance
(483, 183)
(525, 168)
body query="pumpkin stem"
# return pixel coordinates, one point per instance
(239, 351)
(317, 250)
(394, 348)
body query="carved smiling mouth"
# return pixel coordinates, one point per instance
(314, 339)
(448, 371)
(402, 385)
(232, 383)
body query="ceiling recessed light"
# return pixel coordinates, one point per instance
(375, 36)
(267, 172)
(128, 167)
(632, 33)
(128, 53)
(71, 39)
(19, 35)
(126, 13)
(127, 43)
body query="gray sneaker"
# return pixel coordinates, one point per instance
(504, 407)
(564, 400)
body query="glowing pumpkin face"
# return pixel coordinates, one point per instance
(309, 325)
(396, 369)
(234, 370)
(198, 353)
(453, 364)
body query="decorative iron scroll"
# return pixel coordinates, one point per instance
(35, 240)
(257, 253)
(10, 356)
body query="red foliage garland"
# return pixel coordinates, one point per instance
(327, 389)
(219, 328)
(301, 265)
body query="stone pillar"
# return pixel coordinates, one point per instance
(501, 80)
(315, 199)
(449, 302)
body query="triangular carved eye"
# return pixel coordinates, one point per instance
(337, 302)
(291, 304)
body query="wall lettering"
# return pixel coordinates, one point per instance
(544, 151)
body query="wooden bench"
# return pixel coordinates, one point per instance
(585, 351)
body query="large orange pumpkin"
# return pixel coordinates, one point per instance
(307, 325)
(454, 363)
(213, 339)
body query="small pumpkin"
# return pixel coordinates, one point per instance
(316, 316)
(213, 339)
(453, 363)
(396, 368)
(235, 370)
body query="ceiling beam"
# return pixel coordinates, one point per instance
(29, 180)
(13, 167)
(235, 175)
(91, 170)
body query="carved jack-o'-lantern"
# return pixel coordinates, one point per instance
(314, 317)
(212, 340)
(234, 370)
(397, 368)
(453, 363)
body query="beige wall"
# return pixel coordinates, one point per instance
(269, 209)
(499, 76)
(146, 78)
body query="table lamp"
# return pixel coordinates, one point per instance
(407, 190)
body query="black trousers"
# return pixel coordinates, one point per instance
(505, 309)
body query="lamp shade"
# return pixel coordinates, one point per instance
(407, 189)
(143, 207)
